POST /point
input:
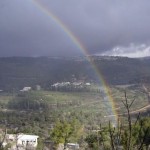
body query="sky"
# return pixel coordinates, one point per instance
(102, 27)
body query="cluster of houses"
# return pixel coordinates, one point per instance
(74, 84)
(60, 85)
(30, 142)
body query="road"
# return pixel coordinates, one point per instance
(140, 110)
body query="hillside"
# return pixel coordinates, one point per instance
(17, 72)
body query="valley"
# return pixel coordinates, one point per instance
(91, 108)
(37, 94)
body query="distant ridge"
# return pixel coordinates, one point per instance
(17, 72)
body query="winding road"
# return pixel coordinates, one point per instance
(142, 109)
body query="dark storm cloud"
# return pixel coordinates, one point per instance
(100, 25)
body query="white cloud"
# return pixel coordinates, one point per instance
(132, 51)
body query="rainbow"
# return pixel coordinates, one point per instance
(109, 101)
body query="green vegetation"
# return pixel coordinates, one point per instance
(133, 136)
(109, 138)
(70, 116)
(65, 132)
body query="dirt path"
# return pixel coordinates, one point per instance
(142, 109)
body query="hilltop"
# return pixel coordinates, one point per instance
(17, 72)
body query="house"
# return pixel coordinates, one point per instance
(73, 146)
(21, 140)
(62, 84)
(69, 146)
(87, 84)
(25, 89)
(27, 140)
(77, 83)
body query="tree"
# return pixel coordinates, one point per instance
(64, 131)
(133, 136)
(92, 141)
(141, 133)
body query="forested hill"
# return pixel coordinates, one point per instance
(17, 72)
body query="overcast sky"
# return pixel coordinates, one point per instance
(105, 27)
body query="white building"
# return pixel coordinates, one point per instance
(27, 140)
(87, 84)
(73, 146)
(21, 140)
(25, 89)
(77, 83)
(62, 84)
